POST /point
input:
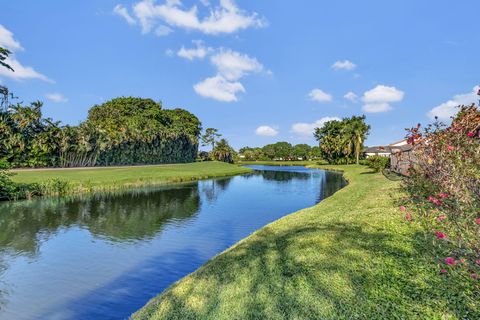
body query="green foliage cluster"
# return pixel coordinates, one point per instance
(223, 152)
(280, 151)
(122, 131)
(377, 163)
(341, 142)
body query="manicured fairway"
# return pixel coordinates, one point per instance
(84, 179)
(352, 256)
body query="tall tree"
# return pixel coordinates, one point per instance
(342, 141)
(210, 137)
(359, 131)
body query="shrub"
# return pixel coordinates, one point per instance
(7, 186)
(444, 190)
(378, 163)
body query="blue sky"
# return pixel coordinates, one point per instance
(259, 71)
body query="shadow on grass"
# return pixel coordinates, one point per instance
(333, 271)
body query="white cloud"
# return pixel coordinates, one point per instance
(266, 131)
(162, 31)
(226, 17)
(121, 11)
(233, 65)
(219, 88)
(449, 108)
(379, 98)
(307, 129)
(7, 40)
(199, 52)
(319, 95)
(56, 97)
(351, 96)
(20, 72)
(344, 65)
(377, 107)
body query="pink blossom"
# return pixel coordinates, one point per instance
(471, 134)
(441, 218)
(477, 262)
(462, 260)
(474, 276)
(435, 200)
(408, 216)
(402, 208)
(451, 148)
(440, 235)
(443, 270)
(443, 195)
(450, 261)
(477, 221)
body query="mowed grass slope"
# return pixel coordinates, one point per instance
(352, 256)
(84, 179)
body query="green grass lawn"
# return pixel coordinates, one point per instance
(89, 179)
(352, 256)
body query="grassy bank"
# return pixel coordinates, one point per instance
(352, 256)
(111, 178)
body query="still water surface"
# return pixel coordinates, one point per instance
(104, 256)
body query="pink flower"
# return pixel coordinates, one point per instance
(471, 134)
(440, 235)
(402, 208)
(408, 216)
(462, 260)
(435, 200)
(443, 270)
(443, 195)
(477, 221)
(450, 261)
(477, 262)
(474, 276)
(441, 218)
(451, 148)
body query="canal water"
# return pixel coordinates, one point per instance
(103, 256)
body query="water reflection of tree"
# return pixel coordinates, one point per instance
(118, 217)
(214, 187)
(330, 183)
(284, 176)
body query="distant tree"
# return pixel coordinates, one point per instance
(210, 137)
(342, 141)
(223, 152)
(252, 154)
(315, 152)
(331, 141)
(282, 149)
(302, 151)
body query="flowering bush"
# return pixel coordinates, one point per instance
(444, 190)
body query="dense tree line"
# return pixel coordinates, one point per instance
(122, 131)
(342, 141)
(280, 151)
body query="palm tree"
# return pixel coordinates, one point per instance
(359, 130)
(223, 151)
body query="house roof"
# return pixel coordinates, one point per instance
(387, 149)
